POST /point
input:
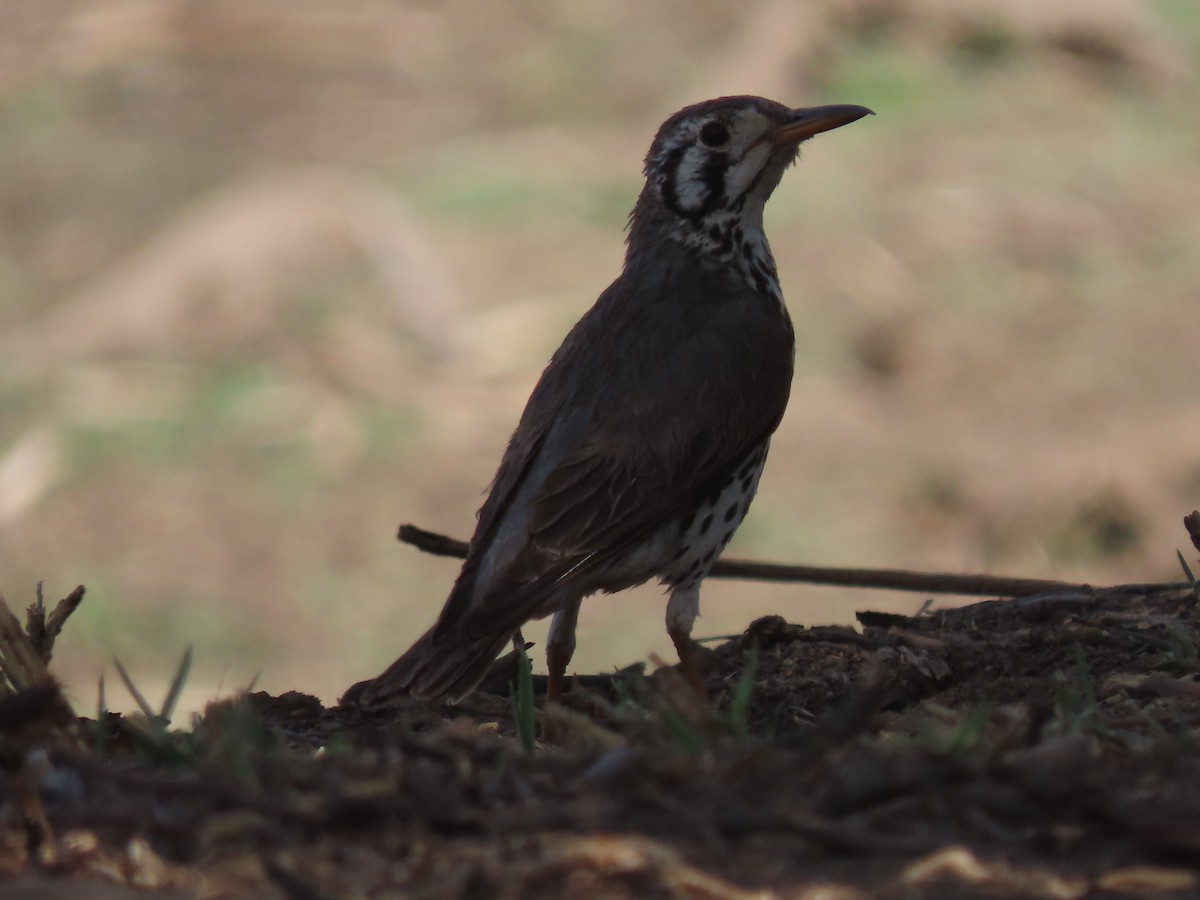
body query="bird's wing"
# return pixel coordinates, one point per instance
(655, 425)
(700, 408)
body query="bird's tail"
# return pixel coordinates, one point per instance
(446, 668)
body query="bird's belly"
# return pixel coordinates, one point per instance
(702, 536)
(681, 553)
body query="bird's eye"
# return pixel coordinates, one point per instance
(714, 134)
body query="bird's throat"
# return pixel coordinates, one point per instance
(724, 240)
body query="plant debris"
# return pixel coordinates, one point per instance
(1042, 747)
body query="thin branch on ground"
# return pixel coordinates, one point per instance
(884, 579)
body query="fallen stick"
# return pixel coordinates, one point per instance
(884, 579)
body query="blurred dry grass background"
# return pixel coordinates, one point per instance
(275, 276)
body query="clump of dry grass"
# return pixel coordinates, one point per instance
(32, 707)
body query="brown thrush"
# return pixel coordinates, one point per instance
(641, 446)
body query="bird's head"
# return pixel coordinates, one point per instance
(720, 160)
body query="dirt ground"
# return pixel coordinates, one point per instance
(276, 276)
(1043, 746)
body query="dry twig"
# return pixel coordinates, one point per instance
(885, 579)
(43, 629)
(31, 698)
(20, 662)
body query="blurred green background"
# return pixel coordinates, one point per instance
(277, 276)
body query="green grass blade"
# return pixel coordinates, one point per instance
(685, 737)
(524, 708)
(143, 705)
(739, 703)
(172, 698)
(100, 736)
(1086, 683)
(1190, 577)
(101, 702)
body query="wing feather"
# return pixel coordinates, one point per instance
(650, 429)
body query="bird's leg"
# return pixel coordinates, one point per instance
(682, 610)
(560, 647)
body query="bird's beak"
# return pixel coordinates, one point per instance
(804, 123)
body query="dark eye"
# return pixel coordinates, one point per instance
(714, 134)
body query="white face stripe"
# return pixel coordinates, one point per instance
(742, 174)
(741, 159)
(692, 190)
(718, 193)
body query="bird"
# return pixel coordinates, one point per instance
(641, 446)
